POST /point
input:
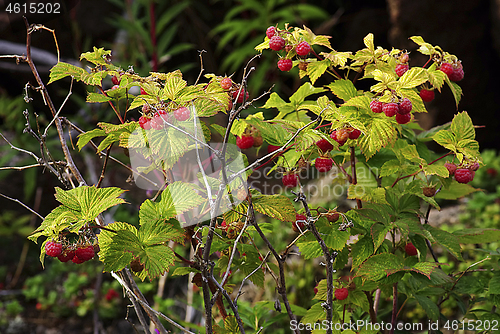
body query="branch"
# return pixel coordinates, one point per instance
(24, 205)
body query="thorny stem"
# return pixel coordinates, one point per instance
(104, 165)
(328, 258)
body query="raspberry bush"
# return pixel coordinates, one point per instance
(385, 239)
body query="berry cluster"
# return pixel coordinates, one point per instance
(278, 43)
(341, 135)
(250, 138)
(78, 253)
(463, 173)
(401, 109)
(160, 119)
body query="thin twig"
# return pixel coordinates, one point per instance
(24, 205)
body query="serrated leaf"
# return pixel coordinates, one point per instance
(429, 306)
(310, 249)
(368, 40)
(272, 134)
(97, 57)
(416, 101)
(380, 266)
(62, 70)
(446, 139)
(462, 126)
(276, 206)
(362, 250)
(436, 77)
(390, 167)
(380, 133)
(177, 198)
(477, 235)
(182, 271)
(344, 89)
(446, 239)
(455, 191)
(304, 91)
(455, 90)
(436, 170)
(97, 98)
(315, 69)
(84, 138)
(413, 77)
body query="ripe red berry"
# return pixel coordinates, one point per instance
(376, 106)
(403, 118)
(323, 165)
(85, 253)
(276, 43)
(390, 109)
(464, 175)
(226, 83)
(145, 122)
(182, 114)
(290, 180)
(410, 249)
(66, 255)
(405, 106)
(143, 92)
(334, 136)
(427, 95)
(354, 134)
(272, 148)
(299, 223)
(451, 167)
(285, 64)
(77, 260)
(324, 145)
(446, 68)
(303, 48)
(53, 248)
(401, 69)
(156, 123)
(341, 294)
(241, 97)
(270, 32)
(244, 142)
(115, 80)
(457, 74)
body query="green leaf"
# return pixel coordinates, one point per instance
(380, 133)
(304, 91)
(436, 77)
(84, 138)
(368, 40)
(62, 70)
(272, 134)
(310, 249)
(455, 191)
(462, 126)
(446, 139)
(455, 90)
(429, 306)
(182, 271)
(390, 167)
(276, 206)
(436, 170)
(344, 89)
(173, 85)
(361, 250)
(110, 252)
(380, 266)
(494, 284)
(413, 77)
(315, 69)
(446, 239)
(97, 57)
(97, 98)
(477, 235)
(176, 199)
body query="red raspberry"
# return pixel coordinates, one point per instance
(77, 260)
(156, 123)
(354, 134)
(300, 222)
(244, 142)
(290, 180)
(143, 92)
(182, 114)
(53, 248)
(401, 69)
(410, 249)
(390, 109)
(474, 167)
(376, 106)
(323, 165)
(427, 95)
(457, 74)
(66, 255)
(464, 175)
(85, 253)
(405, 106)
(285, 64)
(276, 43)
(403, 118)
(446, 68)
(226, 83)
(270, 32)
(341, 294)
(303, 48)
(334, 136)
(240, 97)
(343, 134)
(324, 145)
(272, 148)
(115, 80)
(451, 167)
